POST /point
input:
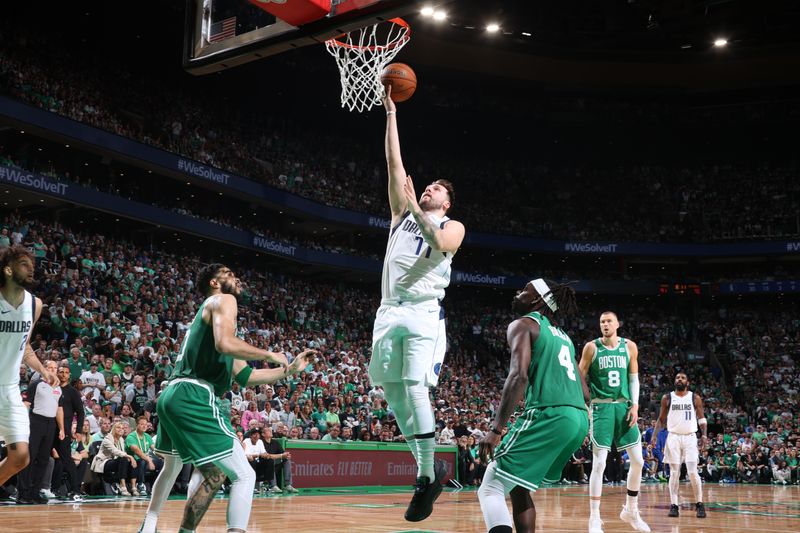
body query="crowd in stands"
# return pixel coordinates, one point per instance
(116, 315)
(632, 202)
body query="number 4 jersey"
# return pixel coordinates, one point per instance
(552, 377)
(608, 375)
(412, 271)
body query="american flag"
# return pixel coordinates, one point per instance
(222, 30)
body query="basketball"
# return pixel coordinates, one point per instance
(401, 78)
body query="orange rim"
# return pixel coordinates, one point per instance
(400, 22)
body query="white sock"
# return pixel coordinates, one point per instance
(632, 503)
(596, 480)
(425, 448)
(397, 399)
(635, 470)
(492, 496)
(243, 479)
(674, 484)
(694, 477)
(424, 424)
(194, 483)
(594, 508)
(162, 486)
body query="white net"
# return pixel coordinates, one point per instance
(361, 56)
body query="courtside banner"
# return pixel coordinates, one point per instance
(358, 464)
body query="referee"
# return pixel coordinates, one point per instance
(46, 413)
(73, 406)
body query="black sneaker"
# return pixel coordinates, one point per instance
(39, 499)
(5, 494)
(673, 511)
(425, 493)
(701, 510)
(23, 500)
(75, 496)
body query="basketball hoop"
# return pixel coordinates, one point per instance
(361, 56)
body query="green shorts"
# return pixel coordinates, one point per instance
(191, 425)
(609, 426)
(541, 442)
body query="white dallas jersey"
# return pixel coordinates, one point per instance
(15, 329)
(682, 418)
(412, 271)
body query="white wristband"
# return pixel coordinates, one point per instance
(702, 421)
(390, 113)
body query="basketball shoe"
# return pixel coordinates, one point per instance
(425, 493)
(634, 519)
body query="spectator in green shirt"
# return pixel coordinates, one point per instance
(139, 444)
(164, 366)
(77, 363)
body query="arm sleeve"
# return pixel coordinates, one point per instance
(633, 383)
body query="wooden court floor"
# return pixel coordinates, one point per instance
(737, 508)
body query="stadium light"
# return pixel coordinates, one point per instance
(721, 42)
(439, 15)
(427, 11)
(493, 27)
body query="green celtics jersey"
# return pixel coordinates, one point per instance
(608, 375)
(199, 358)
(552, 380)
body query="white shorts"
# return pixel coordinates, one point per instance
(681, 449)
(408, 343)
(15, 425)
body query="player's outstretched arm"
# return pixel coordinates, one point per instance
(263, 376)
(223, 319)
(397, 173)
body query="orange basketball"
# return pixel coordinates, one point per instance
(401, 78)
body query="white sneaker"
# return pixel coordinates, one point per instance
(595, 525)
(275, 490)
(47, 493)
(634, 519)
(289, 488)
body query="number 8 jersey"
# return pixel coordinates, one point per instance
(552, 377)
(608, 375)
(412, 271)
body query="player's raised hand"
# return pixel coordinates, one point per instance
(633, 415)
(388, 103)
(411, 196)
(304, 359)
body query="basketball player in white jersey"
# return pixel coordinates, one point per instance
(682, 412)
(408, 338)
(19, 311)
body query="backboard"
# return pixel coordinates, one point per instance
(220, 34)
